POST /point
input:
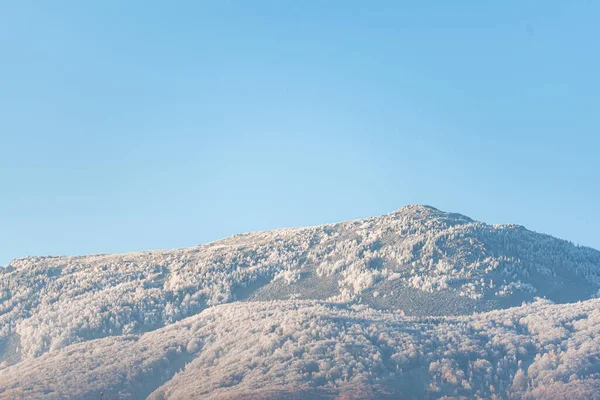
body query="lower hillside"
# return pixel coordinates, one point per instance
(312, 349)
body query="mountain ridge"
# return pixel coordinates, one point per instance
(424, 208)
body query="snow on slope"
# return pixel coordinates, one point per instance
(311, 349)
(418, 259)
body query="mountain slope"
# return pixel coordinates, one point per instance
(417, 260)
(319, 350)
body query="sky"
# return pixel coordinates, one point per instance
(138, 125)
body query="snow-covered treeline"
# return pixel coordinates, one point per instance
(48, 303)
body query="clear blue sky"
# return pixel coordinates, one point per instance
(130, 125)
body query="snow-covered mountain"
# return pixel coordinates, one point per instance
(398, 305)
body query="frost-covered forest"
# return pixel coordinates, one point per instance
(315, 349)
(418, 302)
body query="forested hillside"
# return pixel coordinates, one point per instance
(393, 304)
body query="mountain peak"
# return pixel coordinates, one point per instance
(424, 208)
(427, 212)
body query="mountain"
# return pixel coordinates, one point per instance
(418, 302)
